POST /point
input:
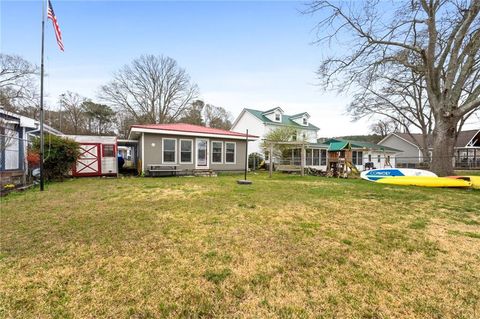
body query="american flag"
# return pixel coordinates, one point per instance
(58, 33)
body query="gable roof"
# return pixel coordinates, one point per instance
(286, 120)
(191, 129)
(464, 137)
(296, 116)
(274, 109)
(362, 144)
(338, 146)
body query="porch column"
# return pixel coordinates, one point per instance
(270, 167)
(302, 160)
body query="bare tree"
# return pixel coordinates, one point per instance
(17, 82)
(400, 99)
(152, 88)
(436, 39)
(72, 106)
(217, 117)
(383, 127)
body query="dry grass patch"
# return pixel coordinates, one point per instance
(290, 247)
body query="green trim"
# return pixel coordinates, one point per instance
(339, 146)
(362, 144)
(286, 120)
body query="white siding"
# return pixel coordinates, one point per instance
(255, 127)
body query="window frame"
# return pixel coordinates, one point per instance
(323, 157)
(234, 153)
(174, 150)
(279, 117)
(318, 158)
(309, 158)
(113, 150)
(180, 150)
(221, 152)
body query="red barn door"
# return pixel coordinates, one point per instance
(89, 162)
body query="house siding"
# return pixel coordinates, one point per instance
(153, 149)
(255, 127)
(409, 154)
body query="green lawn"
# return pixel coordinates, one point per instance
(287, 247)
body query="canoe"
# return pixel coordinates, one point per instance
(475, 180)
(376, 174)
(425, 181)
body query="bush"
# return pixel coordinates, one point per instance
(254, 160)
(60, 155)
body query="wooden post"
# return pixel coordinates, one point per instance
(270, 168)
(302, 160)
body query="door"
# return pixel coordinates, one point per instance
(202, 153)
(88, 164)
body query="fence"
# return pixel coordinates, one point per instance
(459, 161)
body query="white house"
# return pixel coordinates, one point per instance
(260, 123)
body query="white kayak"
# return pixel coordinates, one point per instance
(376, 174)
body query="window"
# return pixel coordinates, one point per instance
(230, 152)
(323, 158)
(316, 157)
(108, 150)
(309, 158)
(186, 151)
(217, 150)
(359, 158)
(277, 117)
(369, 158)
(169, 150)
(305, 121)
(378, 158)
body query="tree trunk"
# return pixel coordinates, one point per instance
(444, 139)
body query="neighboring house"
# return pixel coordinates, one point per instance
(260, 123)
(365, 152)
(16, 132)
(467, 148)
(316, 154)
(186, 148)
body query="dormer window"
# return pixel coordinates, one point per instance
(305, 121)
(277, 117)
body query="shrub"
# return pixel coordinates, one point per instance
(33, 158)
(60, 154)
(254, 160)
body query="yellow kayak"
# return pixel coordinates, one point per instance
(475, 180)
(425, 181)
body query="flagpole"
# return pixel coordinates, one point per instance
(41, 100)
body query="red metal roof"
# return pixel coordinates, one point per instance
(183, 127)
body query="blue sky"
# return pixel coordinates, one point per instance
(241, 54)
